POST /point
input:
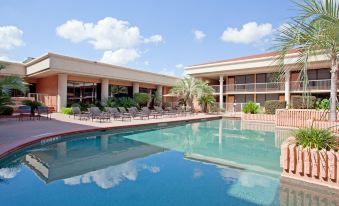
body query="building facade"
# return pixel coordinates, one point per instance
(254, 78)
(59, 80)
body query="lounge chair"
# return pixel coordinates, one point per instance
(116, 114)
(135, 113)
(44, 110)
(164, 112)
(123, 110)
(78, 113)
(95, 113)
(147, 111)
(25, 111)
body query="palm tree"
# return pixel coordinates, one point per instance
(7, 84)
(314, 31)
(189, 88)
(205, 101)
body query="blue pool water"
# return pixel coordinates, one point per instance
(221, 162)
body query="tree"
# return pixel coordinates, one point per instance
(189, 88)
(315, 30)
(7, 84)
(205, 101)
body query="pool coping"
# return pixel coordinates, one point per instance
(64, 135)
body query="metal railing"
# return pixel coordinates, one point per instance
(312, 85)
(275, 86)
(235, 107)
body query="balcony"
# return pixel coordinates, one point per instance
(295, 86)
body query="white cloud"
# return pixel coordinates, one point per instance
(179, 66)
(10, 37)
(120, 56)
(199, 35)
(9, 173)
(107, 33)
(154, 39)
(146, 63)
(249, 33)
(166, 71)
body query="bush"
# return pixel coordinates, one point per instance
(125, 102)
(316, 138)
(303, 102)
(111, 102)
(251, 107)
(33, 104)
(272, 105)
(141, 99)
(67, 110)
(322, 104)
(6, 110)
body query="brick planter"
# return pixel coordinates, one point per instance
(309, 165)
(258, 117)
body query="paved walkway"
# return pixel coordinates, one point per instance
(14, 133)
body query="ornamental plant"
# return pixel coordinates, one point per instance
(316, 138)
(251, 108)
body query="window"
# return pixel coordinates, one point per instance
(85, 92)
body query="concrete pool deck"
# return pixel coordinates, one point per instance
(15, 134)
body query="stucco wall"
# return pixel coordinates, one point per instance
(48, 86)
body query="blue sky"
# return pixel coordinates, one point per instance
(158, 36)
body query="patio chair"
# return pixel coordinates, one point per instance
(135, 113)
(95, 113)
(82, 115)
(116, 114)
(147, 111)
(44, 110)
(123, 110)
(25, 111)
(164, 112)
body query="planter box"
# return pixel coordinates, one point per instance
(258, 117)
(310, 165)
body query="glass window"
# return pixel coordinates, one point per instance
(81, 92)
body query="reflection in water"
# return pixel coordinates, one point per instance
(218, 163)
(104, 160)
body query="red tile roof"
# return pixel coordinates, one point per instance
(268, 54)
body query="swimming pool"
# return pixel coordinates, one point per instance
(219, 162)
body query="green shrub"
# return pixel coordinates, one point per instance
(141, 99)
(111, 102)
(67, 110)
(272, 105)
(316, 138)
(251, 107)
(33, 104)
(303, 102)
(125, 102)
(6, 110)
(322, 104)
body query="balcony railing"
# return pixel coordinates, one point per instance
(274, 86)
(312, 85)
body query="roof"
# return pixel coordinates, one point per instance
(267, 54)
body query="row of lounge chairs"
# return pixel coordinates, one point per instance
(121, 113)
(26, 111)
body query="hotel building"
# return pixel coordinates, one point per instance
(239, 80)
(59, 80)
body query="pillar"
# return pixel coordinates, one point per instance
(62, 92)
(287, 88)
(104, 89)
(159, 90)
(221, 92)
(135, 87)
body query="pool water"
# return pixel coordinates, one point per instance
(220, 162)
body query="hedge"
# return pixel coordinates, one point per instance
(272, 105)
(303, 102)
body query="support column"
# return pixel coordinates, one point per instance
(135, 87)
(104, 89)
(287, 88)
(159, 90)
(221, 92)
(62, 92)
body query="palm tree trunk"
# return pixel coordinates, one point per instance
(334, 79)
